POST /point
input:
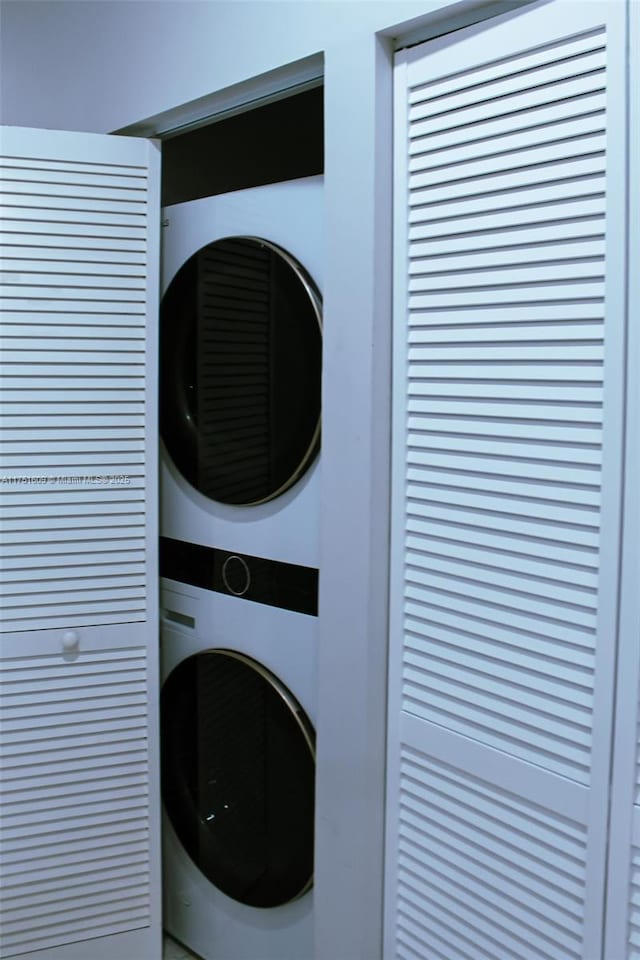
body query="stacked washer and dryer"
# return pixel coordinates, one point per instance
(240, 372)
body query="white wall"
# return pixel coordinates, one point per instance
(101, 66)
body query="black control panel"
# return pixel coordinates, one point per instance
(285, 585)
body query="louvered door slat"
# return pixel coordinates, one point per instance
(77, 237)
(52, 842)
(496, 87)
(507, 459)
(73, 221)
(74, 181)
(436, 155)
(62, 344)
(509, 98)
(563, 119)
(59, 186)
(27, 198)
(74, 249)
(17, 269)
(40, 257)
(527, 64)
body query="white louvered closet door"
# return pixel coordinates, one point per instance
(78, 556)
(508, 422)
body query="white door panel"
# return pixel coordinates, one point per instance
(78, 569)
(506, 508)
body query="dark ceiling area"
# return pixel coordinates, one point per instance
(279, 141)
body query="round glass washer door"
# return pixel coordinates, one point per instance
(240, 370)
(238, 776)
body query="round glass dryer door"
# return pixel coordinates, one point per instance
(238, 776)
(240, 370)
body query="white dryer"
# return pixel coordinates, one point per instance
(238, 771)
(240, 371)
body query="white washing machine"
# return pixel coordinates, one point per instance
(240, 372)
(238, 771)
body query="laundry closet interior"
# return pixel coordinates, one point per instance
(319, 445)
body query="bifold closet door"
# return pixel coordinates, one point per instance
(509, 337)
(78, 565)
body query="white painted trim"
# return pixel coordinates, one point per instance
(398, 417)
(152, 624)
(354, 555)
(452, 17)
(611, 475)
(257, 92)
(624, 816)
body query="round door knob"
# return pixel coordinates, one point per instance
(70, 640)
